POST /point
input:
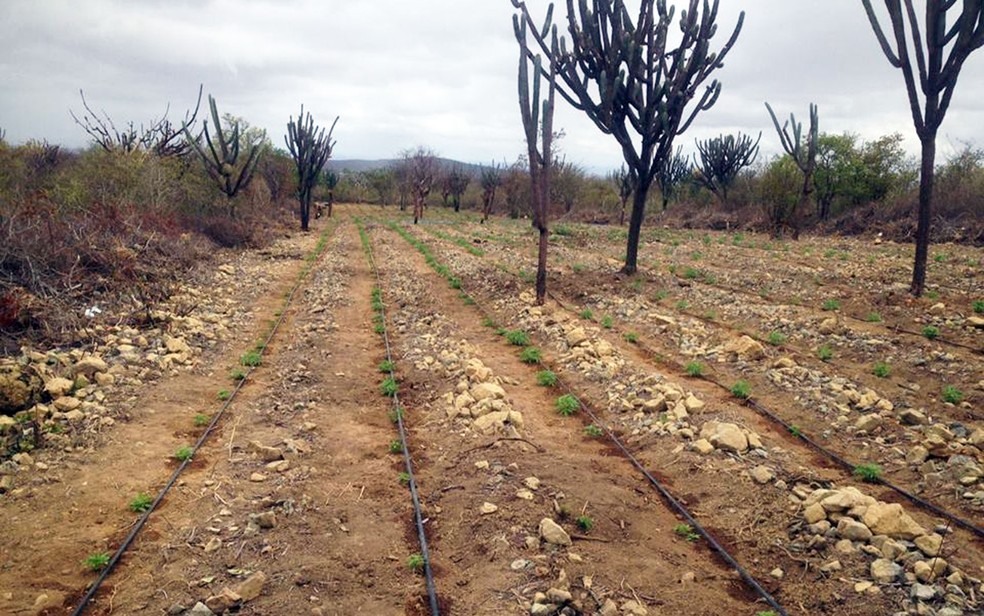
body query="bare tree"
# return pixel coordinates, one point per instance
(311, 148)
(421, 169)
(160, 136)
(720, 159)
(624, 77)
(804, 154)
(624, 182)
(536, 119)
(330, 179)
(673, 173)
(491, 179)
(455, 182)
(938, 69)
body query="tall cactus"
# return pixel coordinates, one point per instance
(538, 147)
(224, 164)
(804, 154)
(310, 148)
(720, 159)
(675, 169)
(491, 179)
(938, 66)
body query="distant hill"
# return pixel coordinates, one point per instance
(354, 165)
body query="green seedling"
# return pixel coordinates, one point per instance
(546, 378)
(141, 502)
(388, 387)
(386, 366)
(379, 328)
(518, 337)
(593, 431)
(487, 322)
(237, 375)
(585, 523)
(869, 473)
(201, 420)
(978, 306)
(695, 368)
(415, 563)
(687, 532)
(631, 337)
(184, 453)
(795, 431)
(931, 332)
(682, 305)
(952, 395)
(660, 295)
(777, 338)
(501, 331)
(404, 479)
(691, 273)
(586, 314)
(831, 304)
(455, 283)
(741, 389)
(251, 359)
(873, 317)
(825, 353)
(96, 561)
(607, 322)
(567, 405)
(396, 415)
(224, 394)
(531, 355)
(881, 370)
(578, 268)
(396, 446)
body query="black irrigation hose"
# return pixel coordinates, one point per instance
(138, 526)
(668, 497)
(414, 494)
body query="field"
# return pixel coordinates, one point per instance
(745, 427)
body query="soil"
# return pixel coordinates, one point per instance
(327, 517)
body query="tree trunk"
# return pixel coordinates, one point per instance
(305, 199)
(541, 267)
(926, 177)
(635, 225)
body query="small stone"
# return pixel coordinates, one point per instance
(913, 417)
(251, 587)
(482, 464)
(213, 544)
(524, 494)
(608, 608)
(200, 609)
(58, 387)
(257, 477)
(634, 608)
(532, 483)
(703, 446)
(777, 573)
(224, 601)
(267, 519)
(556, 595)
(853, 530)
(922, 592)
(688, 577)
(267, 454)
(576, 336)
(762, 474)
(860, 587)
(917, 455)
(89, 366)
(66, 403)
(929, 544)
(814, 513)
(830, 567)
(551, 532)
(519, 564)
(928, 571)
(278, 466)
(890, 519)
(885, 571)
(488, 508)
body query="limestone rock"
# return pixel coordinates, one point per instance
(725, 436)
(66, 403)
(746, 348)
(482, 391)
(885, 571)
(917, 455)
(488, 508)
(929, 571)
(814, 513)
(265, 453)
(251, 587)
(551, 532)
(58, 387)
(224, 601)
(762, 474)
(890, 519)
(976, 322)
(850, 528)
(89, 366)
(703, 446)
(177, 345)
(929, 544)
(913, 417)
(200, 609)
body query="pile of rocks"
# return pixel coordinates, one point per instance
(480, 399)
(728, 437)
(850, 522)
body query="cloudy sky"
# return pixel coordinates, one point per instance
(438, 73)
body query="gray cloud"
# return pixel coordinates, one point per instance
(440, 73)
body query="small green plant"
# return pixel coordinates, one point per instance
(695, 368)
(201, 420)
(766, 613)
(795, 431)
(881, 370)
(637, 285)
(682, 305)
(527, 277)
(396, 446)
(224, 394)
(386, 366)
(184, 453)
(825, 353)
(518, 337)
(404, 479)
(691, 273)
(487, 322)
(939, 257)
(660, 295)
(873, 317)
(388, 387)
(396, 414)
(867, 472)
(586, 314)
(416, 563)
(607, 321)
(467, 299)
(546, 378)
(379, 328)
(934, 295)
(687, 532)
(251, 359)
(631, 337)
(531, 355)
(952, 395)
(777, 338)
(141, 502)
(578, 268)
(741, 389)
(501, 331)
(237, 375)
(455, 283)
(978, 306)
(567, 405)
(831, 304)
(96, 561)
(593, 431)
(585, 523)
(931, 332)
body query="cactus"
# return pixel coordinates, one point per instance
(538, 147)
(310, 148)
(675, 169)
(628, 80)
(331, 182)
(624, 181)
(491, 179)
(804, 154)
(224, 165)
(935, 80)
(721, 159)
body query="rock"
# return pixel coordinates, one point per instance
(66, 403)
(488, 508)
(15, 393)
(868, 423)
(576, 336)
(213, 544)
(481, 391)
(224, 601)
(267, 519)
(251, 587)
(58, 387)
(846, 499)
(832, 566)
(976, 322)
(693, 403)
(890, 519)
(265, 453)
(551, 532)
(827, 326)
(885, 571)
(937, 308)
(655, 405)
(477, 371)
(913, 417)
(559, 596)
(746, 348)
(762, 474)
(89, 366)
(845, 547)
(200, 609)
(922, 592)
(727, 437)
(861, 587)
(703, 446)
(257, 477)
(46, 601)
(814, 513)
(176, 345)
(917, 455)
(929, 544)
(543, 609)
(492, 422)
(634, 608)
(850, 528)
(928, 571)
(532, 483)
(604, 349)
(75, 415)
(608, 608)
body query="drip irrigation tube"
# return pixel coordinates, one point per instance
(414, 494)
(139, 524)
(668, 496)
